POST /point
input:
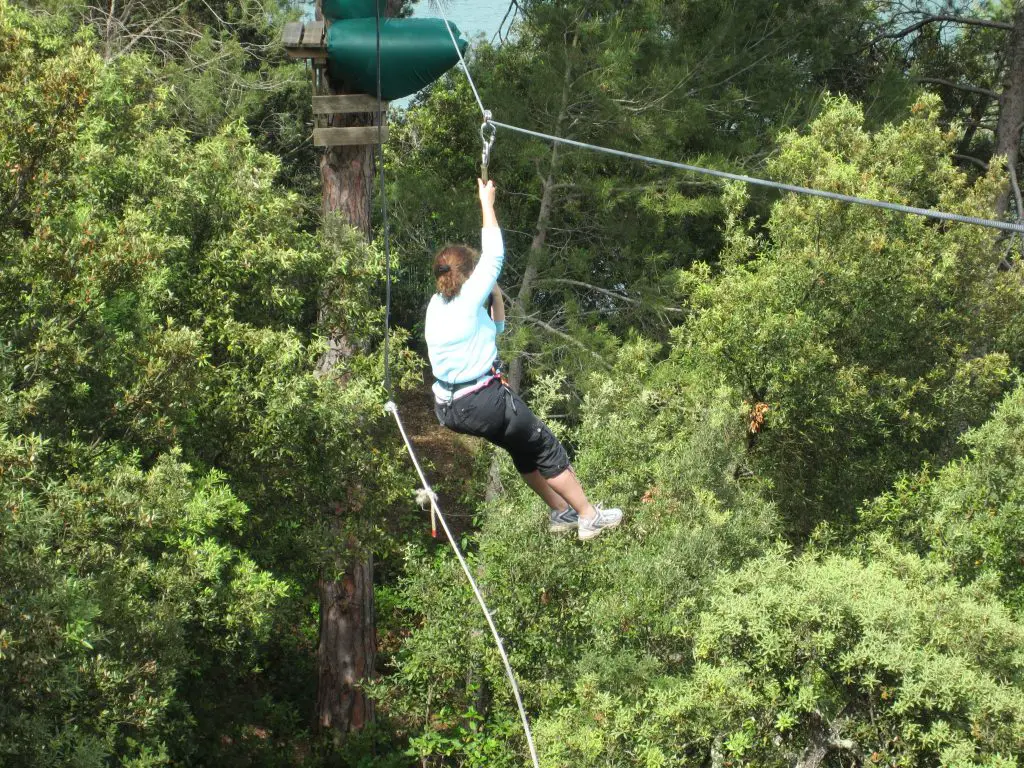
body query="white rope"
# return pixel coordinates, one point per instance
(428, 493)
(1006, 226)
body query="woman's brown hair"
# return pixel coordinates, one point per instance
(453, 265)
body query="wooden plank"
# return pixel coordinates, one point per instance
(343, 104)
(307, 53)
(292, 34)
(313, 35)
(347, 137)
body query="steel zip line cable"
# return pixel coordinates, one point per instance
(465, 68)
(959, 218)
(1006, 226)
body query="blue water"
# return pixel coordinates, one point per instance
(473, 17)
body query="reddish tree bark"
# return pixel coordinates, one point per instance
(348, 181)
(347, 650)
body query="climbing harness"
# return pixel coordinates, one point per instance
(487, 137)
(498, 371)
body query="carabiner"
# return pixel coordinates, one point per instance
(487, 137)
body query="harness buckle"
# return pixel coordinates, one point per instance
(498, 370)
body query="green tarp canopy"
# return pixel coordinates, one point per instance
(414, 52)
(352, 9)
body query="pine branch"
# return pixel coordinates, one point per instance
(606, 292)
(959, 87)
(974, 160)
(565, 336)
(965, 20)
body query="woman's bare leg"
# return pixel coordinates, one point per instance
(568, 487)
(543, 489)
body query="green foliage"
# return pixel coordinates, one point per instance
(887, 656)
(217, 61)
(120, 587)
(885, 662)
(169, 450)
(968, 514)
(873, 338)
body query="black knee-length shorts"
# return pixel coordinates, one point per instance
(498, 415)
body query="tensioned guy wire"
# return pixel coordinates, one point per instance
(393, 410)
(1006, 226)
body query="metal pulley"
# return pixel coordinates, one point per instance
(487, 133)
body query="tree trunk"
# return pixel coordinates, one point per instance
(346, 654)
(525, 296)
(1011, 112)
(348, 180)
(348, 649)
(824, 739)
(540, 234)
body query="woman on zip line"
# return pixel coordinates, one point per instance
(469, 394)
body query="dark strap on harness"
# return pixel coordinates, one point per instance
(451, 386)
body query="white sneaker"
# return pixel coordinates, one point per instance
(605, 518)
(562, 522)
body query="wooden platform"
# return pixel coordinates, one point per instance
(305, 41)
(309, 41)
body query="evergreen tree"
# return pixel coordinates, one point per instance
(169, 449)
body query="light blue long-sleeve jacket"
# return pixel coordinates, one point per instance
(459, 332)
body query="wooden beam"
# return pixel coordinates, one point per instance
(292, 34)
(313, 34)
(344, 104)
(307, 53)
(347, 137)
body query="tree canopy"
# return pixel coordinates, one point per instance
(809, 411)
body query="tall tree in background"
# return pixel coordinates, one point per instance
(348, 643)
(346, 652)
(972, 53)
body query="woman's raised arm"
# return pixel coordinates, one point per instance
(492, 251)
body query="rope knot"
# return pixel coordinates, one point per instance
(425, 498)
